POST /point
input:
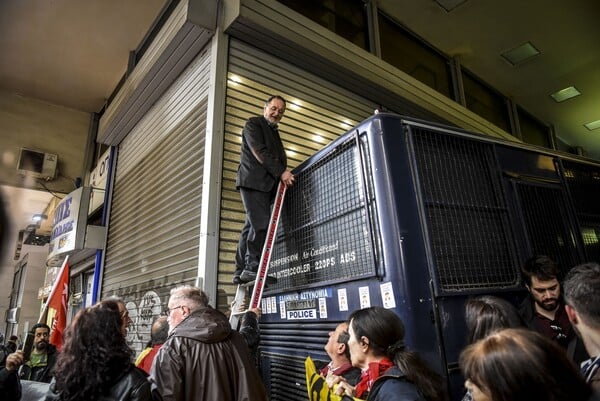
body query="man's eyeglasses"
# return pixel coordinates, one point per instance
(169, 310)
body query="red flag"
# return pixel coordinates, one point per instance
(57, 305)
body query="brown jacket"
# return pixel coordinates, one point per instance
(204, 359)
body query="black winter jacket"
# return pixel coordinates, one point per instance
(249, 329)
(10, 387)
(43, 375)
(132, 385)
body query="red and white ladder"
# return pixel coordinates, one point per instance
(263, 266)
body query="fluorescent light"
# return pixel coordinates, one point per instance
(565, 94)
(520, 53)
(592, 125)
(234, 80)
(318, 138)
(39, 217)
(295, 104)
(450, 5)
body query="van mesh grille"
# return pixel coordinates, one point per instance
(466, 213)
(323, 233)
(544, 211)
(583, 181)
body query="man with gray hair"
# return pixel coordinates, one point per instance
(203, 358)
(582, 296)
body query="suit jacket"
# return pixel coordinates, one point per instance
(263, 158)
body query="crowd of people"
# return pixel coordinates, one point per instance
(194, 354)
(548, 349)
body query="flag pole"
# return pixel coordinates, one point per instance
(44, 313)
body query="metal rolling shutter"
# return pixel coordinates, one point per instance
(318, 111)
(154, 225)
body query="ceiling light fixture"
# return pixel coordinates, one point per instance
(450, 5)
(565, 94)
(592, 125)
(520, 53)
(39, 217)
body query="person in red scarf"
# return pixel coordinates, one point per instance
(389, 371)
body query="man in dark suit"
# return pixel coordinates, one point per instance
(263, 163)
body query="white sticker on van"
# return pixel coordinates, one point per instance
(322, 308)
(302, 314)
(365, 297)
(387, 295)
(342, 299)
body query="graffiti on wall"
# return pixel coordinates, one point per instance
(145, 301)
(142, 312)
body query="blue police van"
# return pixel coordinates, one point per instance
(416, 217)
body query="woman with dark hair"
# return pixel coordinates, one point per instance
(115, 303)
(389, 371)
(95, 362)
(487, 314)
(521, 365)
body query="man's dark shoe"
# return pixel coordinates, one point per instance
(236, 279)
(249, 275)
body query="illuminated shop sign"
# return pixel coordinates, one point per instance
(69, 225)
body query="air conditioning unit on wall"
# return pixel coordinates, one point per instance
(37, 164)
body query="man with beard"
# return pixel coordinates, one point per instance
(40, 366)
(543, 310)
